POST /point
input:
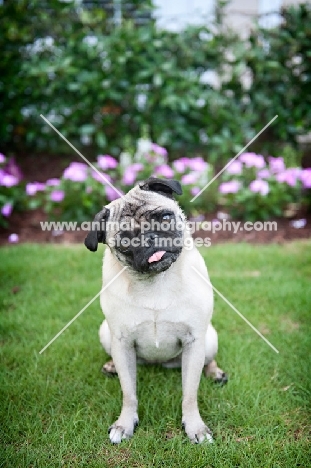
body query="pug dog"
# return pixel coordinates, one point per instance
(158, 310)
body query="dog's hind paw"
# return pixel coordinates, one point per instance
(217, 374)
(109, 369)
(222, 379)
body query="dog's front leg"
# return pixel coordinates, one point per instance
(193, 356)
(124, 358)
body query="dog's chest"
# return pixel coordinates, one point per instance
(159, 340)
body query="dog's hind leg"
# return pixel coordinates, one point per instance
(105, 339)
(210, 365)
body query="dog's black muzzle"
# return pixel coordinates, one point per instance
(138, 250)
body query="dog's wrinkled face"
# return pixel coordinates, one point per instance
(144, 229)
(154, 243)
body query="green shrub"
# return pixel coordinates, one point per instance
(101, 84)
(280, 65)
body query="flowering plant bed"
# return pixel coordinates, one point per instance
(252, 188)
(12, 192)
(249, 189)
(82, 190)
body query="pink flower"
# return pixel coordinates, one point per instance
(6, 210)
(235, 168)
(276, 164)
(158, 150)
(105, 161)
(101, 177)
(57, 195)
(298, 223)
(264, 174)
(191, 178)
(8, 180)
(57, 232)
(197, 164)
(13, 169)
(259, 186)
(137, 167)
(129, 177)
(229, 187)
(252, 160)
(2, 158)
(194, 190)
(13, 238)
(180, 165)
(305, 178)
(33, 187)
(52, 182)
(289, 176)
(77, 172)
(165, 171)
(111, 193)
(130, 173)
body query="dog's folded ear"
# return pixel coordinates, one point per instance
(98, 231)
(165, 187)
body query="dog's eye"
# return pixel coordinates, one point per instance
(123, 244)
(166, 217)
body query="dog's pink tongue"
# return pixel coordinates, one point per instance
(156, 256)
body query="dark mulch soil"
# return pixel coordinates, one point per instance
(42, 167)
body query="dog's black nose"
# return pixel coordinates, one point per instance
(151, 237)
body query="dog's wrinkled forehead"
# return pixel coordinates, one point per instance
(138, 205)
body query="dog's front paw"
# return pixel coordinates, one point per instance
(121, 430)
(197, 431)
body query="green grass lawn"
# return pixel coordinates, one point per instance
(56, 407)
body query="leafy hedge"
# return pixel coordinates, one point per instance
(280, 65)
(103, 85)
